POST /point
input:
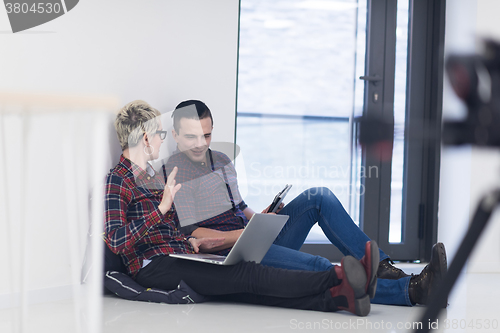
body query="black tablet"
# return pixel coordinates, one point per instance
(278, 199)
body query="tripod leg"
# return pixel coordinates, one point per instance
(481, 216)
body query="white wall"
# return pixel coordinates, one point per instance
(468, 173)
(486, 164)
(160, 51)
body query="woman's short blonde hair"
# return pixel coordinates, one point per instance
(133, 121)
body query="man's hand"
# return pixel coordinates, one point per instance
(230, 237)
(169, 192)
(205, 244)
(265, 211)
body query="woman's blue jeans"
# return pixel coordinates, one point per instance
(320, 205)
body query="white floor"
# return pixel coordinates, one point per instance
(473, 308)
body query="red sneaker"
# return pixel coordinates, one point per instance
(370, 262)
(350, 294)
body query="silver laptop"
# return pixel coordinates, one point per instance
(252, 245)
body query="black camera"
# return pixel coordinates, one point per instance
(476, 80)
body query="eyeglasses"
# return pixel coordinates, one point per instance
(163, 134)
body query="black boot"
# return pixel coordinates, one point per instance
(425, 283)
(387, 271)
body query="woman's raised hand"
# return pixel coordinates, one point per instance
(169, 192)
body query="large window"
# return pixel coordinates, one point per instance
(297, 96)
(300, 98)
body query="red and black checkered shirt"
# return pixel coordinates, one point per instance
(204, 197)
(134, 226)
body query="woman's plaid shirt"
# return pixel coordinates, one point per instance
(134, 226)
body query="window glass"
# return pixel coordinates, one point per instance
(398, 152)
(297, 95)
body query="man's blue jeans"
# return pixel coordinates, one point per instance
(322, 206)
